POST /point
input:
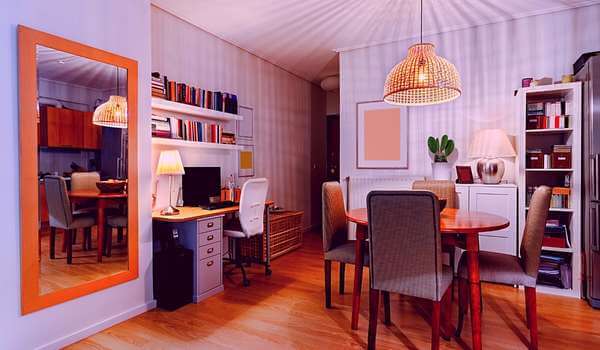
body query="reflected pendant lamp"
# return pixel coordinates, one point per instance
(422, 78)
(112, 113)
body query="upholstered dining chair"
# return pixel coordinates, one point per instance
(512, 270)
(85, 181)
(336, 246)
(405, 256)
(61, 216)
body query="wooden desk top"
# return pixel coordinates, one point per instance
(195, 213)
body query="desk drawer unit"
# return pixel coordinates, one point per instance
(210, 274)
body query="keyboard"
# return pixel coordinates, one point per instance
(219, 205)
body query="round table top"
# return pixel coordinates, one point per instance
(451, 220)
(96, 194)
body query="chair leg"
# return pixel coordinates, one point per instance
(530, 301)
(373, 313)
(238, 262)
(108, 240)
(342, 277)
(52, 242)
(435, 325)
(387, 319)
(74, 239)
(68, 236)
(451, 261)
(119, 234)
(88, 232)
(446, 310)
(328, 284)
(463, 300)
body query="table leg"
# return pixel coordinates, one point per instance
(359, 251)
(100, 224)
(475, 288)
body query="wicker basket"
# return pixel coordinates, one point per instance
(285, 235)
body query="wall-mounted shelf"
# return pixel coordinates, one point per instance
(547, 169)
(555, 249)
(558, 210)
(549, 131)
(193, 144)
(193, 111)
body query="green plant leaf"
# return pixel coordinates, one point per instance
(432, 144)
(449, 148)
(444, 142)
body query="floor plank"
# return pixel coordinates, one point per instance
(286, 311)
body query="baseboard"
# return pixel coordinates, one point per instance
(207, 294)
(99, 326)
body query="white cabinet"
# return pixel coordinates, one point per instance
(494, 199)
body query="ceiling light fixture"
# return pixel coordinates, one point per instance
(112, 113)
(422, 78)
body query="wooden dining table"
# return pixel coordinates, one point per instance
(458, 228)
(103, 201)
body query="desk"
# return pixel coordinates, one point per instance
(201, 231)
(466, 224)
(103, 200)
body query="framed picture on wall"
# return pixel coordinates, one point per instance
(246, 161)
(245, 127)
(382, 136)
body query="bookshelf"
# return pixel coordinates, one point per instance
(193, 144)
(544, 139)
(192, 111)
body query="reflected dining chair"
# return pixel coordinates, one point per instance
(336, 246)
(85, 181)
(405, 257)
(61, 216)
(512, 270)
(116, 221)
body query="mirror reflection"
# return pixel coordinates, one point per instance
(82, 162)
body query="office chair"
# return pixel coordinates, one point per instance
(251, 218)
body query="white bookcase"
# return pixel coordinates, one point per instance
(545, 139)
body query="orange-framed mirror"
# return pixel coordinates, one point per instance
(78, 169)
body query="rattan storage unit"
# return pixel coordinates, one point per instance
(285, 235)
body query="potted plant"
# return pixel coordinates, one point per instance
(441, 151)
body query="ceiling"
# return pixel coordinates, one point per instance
(301, 35)
(67, 68)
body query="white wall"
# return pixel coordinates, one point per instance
(122, 27)
(282, 105)
(491, 60)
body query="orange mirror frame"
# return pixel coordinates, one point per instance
(31, 300)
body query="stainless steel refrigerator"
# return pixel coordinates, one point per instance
(589, 74)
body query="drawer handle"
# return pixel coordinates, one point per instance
(210, 224)
(210, 250)
(210, 238)
(210, 263)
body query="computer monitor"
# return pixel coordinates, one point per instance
(199, 184)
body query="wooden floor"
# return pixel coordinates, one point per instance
(56, 274)
(286, 311)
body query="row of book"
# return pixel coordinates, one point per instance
(555, 270)
(556, 235)
(189, 130)
(549, 115)
(560, 197)
(546, 122)
(185, 93)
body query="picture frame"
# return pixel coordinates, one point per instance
(382, 133)
(246, 161)
(464, 175)
(245, 127)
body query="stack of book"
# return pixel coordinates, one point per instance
(556, 235)
(548, 115)
(555, 270)
(185, 93)
(158, 85)
(561, 149)
(560, 197)
(161, 127)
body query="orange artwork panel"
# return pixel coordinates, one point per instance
(382, 135)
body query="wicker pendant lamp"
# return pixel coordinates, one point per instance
(112, 113)
(422, 78)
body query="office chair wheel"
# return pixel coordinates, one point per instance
(268, 272)
(246, 283)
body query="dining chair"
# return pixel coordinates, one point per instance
(85, 181)
(336, 246)
(61, 215)
(251, 219)
(512, 270)
(405, 257)
(116, 221)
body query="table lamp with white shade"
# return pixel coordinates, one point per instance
(490, 145)
(169, 163)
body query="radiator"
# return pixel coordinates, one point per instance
(357, 188)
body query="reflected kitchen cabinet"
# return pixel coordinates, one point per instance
(67, 128)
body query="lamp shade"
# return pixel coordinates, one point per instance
(169, 163)
(422, 78)
(491, 143)
(112, 113)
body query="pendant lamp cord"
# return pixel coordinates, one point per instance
(421, 21)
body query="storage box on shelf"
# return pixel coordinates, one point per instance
(550, 133)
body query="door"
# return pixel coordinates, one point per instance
(500, 201)
(333, 148)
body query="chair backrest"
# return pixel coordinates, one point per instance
(81, 181)
(405, 243)
(535, 225)
(443, 189)
(57, 199)
(335, 226)
(252, 206)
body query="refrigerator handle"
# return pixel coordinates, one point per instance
(594, 179)
(595, 232)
